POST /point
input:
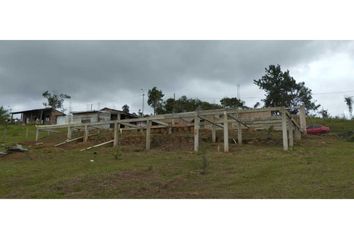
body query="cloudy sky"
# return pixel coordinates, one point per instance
(112, 73)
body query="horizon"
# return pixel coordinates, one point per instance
(101, 74)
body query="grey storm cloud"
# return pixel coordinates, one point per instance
(103, 69)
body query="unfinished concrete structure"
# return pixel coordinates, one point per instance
(277, 118)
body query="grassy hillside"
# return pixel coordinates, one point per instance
(336, 125)
(317, 167)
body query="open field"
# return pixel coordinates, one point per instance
(318, 167)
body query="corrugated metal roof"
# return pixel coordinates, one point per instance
(38, 109)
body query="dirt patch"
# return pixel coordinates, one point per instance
(131, 184)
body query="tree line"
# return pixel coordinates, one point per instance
(280, 88)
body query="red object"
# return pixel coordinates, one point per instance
(317, 129)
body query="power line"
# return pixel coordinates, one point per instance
(339, 92)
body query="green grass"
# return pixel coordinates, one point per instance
(336, 125)
(317, 167)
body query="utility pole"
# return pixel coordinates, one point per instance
(238, 91)
(70, 111)
(142, 108)
(174, 103)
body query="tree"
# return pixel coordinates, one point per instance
(54, 100)
(184, 104)
(349, 102)
(4, 115)
(155, 98)
(282, 90)
(4, 119)
(324, 113)
(257, 105)
(227, 102)
(125, 108)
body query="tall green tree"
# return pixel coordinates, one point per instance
(54, 100)
(155, 98)
(125, 108)
(227, 102)
(4, 115)
(349, 102)
(283, 90)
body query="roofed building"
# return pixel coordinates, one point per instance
(39, 116)
(103, 115)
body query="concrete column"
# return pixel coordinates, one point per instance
(213, 131)
(116, 134)
(86, 133)
(37, 134)
(118, 118)
(302, 116)
(226, 133)
(239, 134)
(297, 134)
(291, 134)
(285, 131)
(172, 125)
(196, 133)
(69, 132)
(148, 137)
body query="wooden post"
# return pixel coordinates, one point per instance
(196, 133)
(86, 133)
(116, 134)
(213, 131)
(226, 133)
(148, 130)
(239, 134)
(69, 132)
(37, 134)
(26, 132)
(291, 134)
(285, 130)
(302, 116)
